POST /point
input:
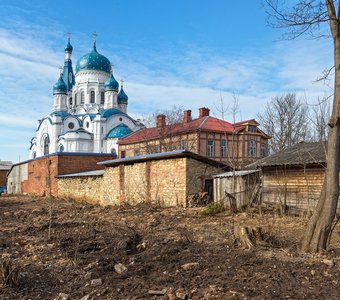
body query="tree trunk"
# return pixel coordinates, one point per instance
(320, 224)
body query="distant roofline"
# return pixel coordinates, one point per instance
(83, 174)
(61, 154)
(196, 129)
(162, 155)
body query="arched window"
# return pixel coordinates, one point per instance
(75, 99)
(34, 155)
(102, 98)
(61, 148)
(46, 144)
(113, 151)
(82, 98)
(92, 98)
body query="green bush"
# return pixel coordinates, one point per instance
(214, 208)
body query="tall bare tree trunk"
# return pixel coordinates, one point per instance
(319, 227)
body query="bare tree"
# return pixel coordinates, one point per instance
(173, 115)
(285, 119)
(308, 17)
(166, 138)
(319, 119)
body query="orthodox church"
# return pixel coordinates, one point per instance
(89, 112)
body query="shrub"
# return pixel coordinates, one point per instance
(214, 208)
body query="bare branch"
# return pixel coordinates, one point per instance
(306, 16)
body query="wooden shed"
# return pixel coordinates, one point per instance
(294, 177)
(243, 186)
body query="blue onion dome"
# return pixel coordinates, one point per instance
(93, 61)
(111, 84)
(119, 132)
(68, 47)
(106, 113)
(60, 86)
(122, 97)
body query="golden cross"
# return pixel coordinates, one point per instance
(94, 34)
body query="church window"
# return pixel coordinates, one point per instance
(61, 148)
(82, 98)
(102, 98)
(92, 97)
(34, 154)
(71, 125)
(75, 99)
(46, 145)
(71, 102)
(113, 151)
(87, 124)
(121, 119)
(252, 148)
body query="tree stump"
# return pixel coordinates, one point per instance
(245, 236)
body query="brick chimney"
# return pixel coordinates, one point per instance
(187, 116)
(160, 121)
(203, 112)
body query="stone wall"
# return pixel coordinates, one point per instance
(166, 182)
(111, 191)
(160, 182)
(86, 188)
(197, 173)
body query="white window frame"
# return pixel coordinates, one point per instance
(210, 148)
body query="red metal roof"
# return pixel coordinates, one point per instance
(204, 123)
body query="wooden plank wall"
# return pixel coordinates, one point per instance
(244, 187)
(297, 187)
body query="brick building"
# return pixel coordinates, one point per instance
(33, 176)
(5, 166)
(235, 144)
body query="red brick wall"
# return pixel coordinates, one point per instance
(75, 164)
(38, 176)
(38, 171)
(3, 177)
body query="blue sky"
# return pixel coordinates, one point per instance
(189, 52)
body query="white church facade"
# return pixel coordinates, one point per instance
(89, 112)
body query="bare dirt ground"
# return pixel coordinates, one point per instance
(168, 254)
